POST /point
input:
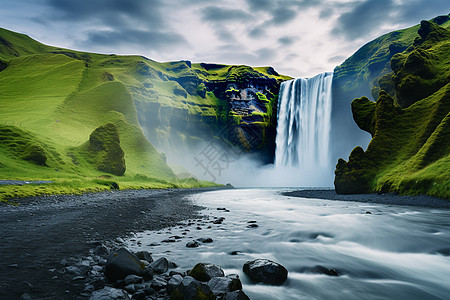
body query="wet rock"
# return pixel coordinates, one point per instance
(205, 240)
(160, 266)
(252, 226)
(169, 240)
(222, 285)
(174, 283)
(110, 294)
(320, 270)
(131, 279)
(266, 271)
(192, 289)
(101, 251)
(122, 263)
(144, 255)
(219, 220)
(139, 295)
(159, 283)
(368, 213)
(204, 272)
(236, 295)
(192, 244)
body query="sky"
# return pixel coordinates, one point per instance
(300, 38)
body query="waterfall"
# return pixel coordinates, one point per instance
(304, 122)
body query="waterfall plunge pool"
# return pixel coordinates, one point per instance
(396, 252)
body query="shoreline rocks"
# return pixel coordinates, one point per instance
(266, 271)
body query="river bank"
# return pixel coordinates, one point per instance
(389, 199)
(41, 231)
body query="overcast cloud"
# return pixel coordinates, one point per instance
(296, 37)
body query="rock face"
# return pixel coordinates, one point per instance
(231, 104)
(266, 271)
(106, 153)
(409, 124)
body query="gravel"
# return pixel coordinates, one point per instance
(40, 232)
(391, 199)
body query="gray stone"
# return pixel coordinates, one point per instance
(145, 255)
(192, 244)
(205, 240)
(266, 271)
(101, 251)
(191, 289)
(133, 279)
(159, 283)
(109, 293)
(122, 263)
(204, 272)
(173, 283)
(160, 266)
(236, 295)
(223, 285)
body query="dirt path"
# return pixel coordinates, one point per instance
(36, 235)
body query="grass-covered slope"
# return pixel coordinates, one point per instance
(365, 73)
(51, 100)
(410, 124)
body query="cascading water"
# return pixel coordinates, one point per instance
(304, 122)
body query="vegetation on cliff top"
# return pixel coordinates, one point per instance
(410, 149)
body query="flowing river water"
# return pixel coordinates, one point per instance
(395, 252)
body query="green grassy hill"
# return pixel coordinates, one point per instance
(52, 99)
(410, 148)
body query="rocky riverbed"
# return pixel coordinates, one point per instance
(41, 232)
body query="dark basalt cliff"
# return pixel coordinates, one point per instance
(409, 124)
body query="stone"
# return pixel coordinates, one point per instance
(159, 283)
(204, 272)
(205, 240)
(236, 295)
(223, 285)
(192, 244)
(122, 263)
(192, 289)
(160, 266)
(101, 251)
(109, 293)
(174, 283)
(266, 271)
(133, 279)
(139, 295)
(144, 255)
(321, 270)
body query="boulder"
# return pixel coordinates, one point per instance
(222, 285)
(236, 295)
(191, 289)
(160, 266)
(144, 255)
(266, 271)
(109, 293)
(320, 270)
(204, 272)
(131, 279)
(122, 263)
(192, 244)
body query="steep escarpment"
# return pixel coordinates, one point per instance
(410, 149)
(365, 73)
(183, 106)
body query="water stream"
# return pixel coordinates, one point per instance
(395, 252)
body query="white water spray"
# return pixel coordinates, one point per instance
(304, 123)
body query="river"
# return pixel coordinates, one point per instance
(393, 252)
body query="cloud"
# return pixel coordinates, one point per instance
(154, 40)
(413, 10)
(363, 18)
(217, 14)
(287, 40)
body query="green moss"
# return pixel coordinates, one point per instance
(409, 151)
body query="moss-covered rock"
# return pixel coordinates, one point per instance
(410, 149)
(106, 153)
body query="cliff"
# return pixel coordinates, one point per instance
(409, 123)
